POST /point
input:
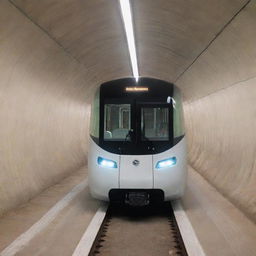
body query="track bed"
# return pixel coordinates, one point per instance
(148, 231)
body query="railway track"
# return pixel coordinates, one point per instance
(145, 231)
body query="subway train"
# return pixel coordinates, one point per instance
(137, 148)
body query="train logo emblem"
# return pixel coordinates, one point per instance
(136, 162)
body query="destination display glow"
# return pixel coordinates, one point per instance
(136, 89)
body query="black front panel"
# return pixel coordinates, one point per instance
(137, 120)
(120, 195)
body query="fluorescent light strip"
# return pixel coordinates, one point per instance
(127, 17)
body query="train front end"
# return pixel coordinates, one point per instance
(137, 149)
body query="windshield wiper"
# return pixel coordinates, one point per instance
(128, 135)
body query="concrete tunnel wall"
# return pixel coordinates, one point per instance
(43, 102)
(44, 108)
(221, 126)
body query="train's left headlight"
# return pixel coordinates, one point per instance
(166, 163)
(106, 162)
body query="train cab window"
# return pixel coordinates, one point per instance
(117, 122)
(155, 124)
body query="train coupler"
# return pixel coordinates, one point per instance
(137, 198)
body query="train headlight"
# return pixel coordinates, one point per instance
(106, 163)
(166, 163)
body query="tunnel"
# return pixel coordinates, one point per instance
(55, 54)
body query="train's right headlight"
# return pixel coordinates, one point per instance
(106, 162)
(166, 163)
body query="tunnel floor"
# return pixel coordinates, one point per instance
(221, 228)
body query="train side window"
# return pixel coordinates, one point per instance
(95, 115)
(117, 122)
(178, 118)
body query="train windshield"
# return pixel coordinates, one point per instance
(148, 123)
(137, 122)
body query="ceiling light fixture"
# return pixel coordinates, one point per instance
(127, 18)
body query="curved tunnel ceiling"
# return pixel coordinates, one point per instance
(169, 35)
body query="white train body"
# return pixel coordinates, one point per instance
(137, 149)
